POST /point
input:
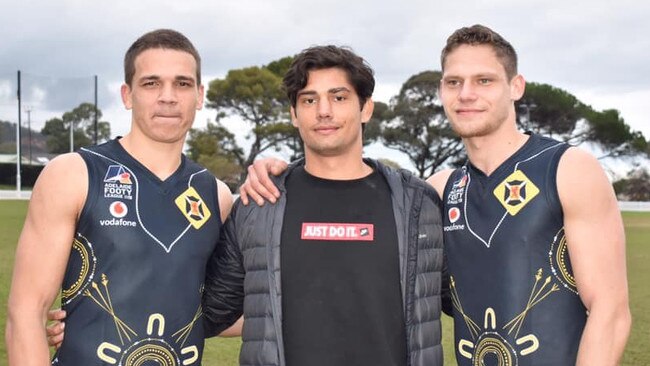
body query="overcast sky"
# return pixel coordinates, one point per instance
(598, 50)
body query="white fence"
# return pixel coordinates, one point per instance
(623, 205)
(634, 206)
(15, 195)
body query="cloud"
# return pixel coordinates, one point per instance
(597, 45)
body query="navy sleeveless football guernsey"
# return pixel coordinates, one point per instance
(514, 296)
(132, 289)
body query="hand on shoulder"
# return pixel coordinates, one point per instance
(258, 185)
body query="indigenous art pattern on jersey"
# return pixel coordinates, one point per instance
(514, 295)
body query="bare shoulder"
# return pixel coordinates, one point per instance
(225, 199)
(439, 180)
(582, 181)
(63, 182)
(577, 159)
(577, 163)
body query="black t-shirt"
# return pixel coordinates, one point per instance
(341, 295)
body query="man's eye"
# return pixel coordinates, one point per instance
(484, 81)
(452, 82)
(149, 83)
(184, 84)
(309, 100)
(339, 98)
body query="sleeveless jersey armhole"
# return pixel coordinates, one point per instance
(552, 193)
(91, 194)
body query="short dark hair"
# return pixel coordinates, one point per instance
(359, 73)
(477, 35)
(160, 38)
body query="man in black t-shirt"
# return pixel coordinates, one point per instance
(346, 268)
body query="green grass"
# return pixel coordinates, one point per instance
(12, 215)
(224, 351)
(637, 231)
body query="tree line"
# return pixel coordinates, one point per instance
(412, 122)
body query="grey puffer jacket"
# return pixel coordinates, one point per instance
(244, 272)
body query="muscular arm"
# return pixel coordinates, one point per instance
(596, 242)
(41, 257)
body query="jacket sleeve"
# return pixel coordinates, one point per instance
(223, 296)
(445, 288)
(445, 292)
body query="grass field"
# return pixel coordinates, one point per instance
(223, 352)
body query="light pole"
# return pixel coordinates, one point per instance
(71, 136)
(29, 109)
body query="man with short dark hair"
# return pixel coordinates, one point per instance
(125, 229)
(346, 268)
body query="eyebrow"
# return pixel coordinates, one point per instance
(330, 91)
(157, 77)
(474, 76)
(339, 89)
(185, 78)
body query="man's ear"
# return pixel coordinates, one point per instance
(201, 98)
(294, 117)
(517, 87)
(125, 91)
(366, 110)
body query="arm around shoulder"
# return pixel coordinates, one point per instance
(41, 256)
(596, 243)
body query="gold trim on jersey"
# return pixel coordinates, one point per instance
(560, 262)
(88, 262)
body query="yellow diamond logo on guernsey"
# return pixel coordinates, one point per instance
(515, 192)
(193, 207)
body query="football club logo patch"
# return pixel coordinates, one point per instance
(460, 183)
(457, 190)
(117, 174)
(118, 209)
(193, 207)
(515, 192)
(118, 183)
